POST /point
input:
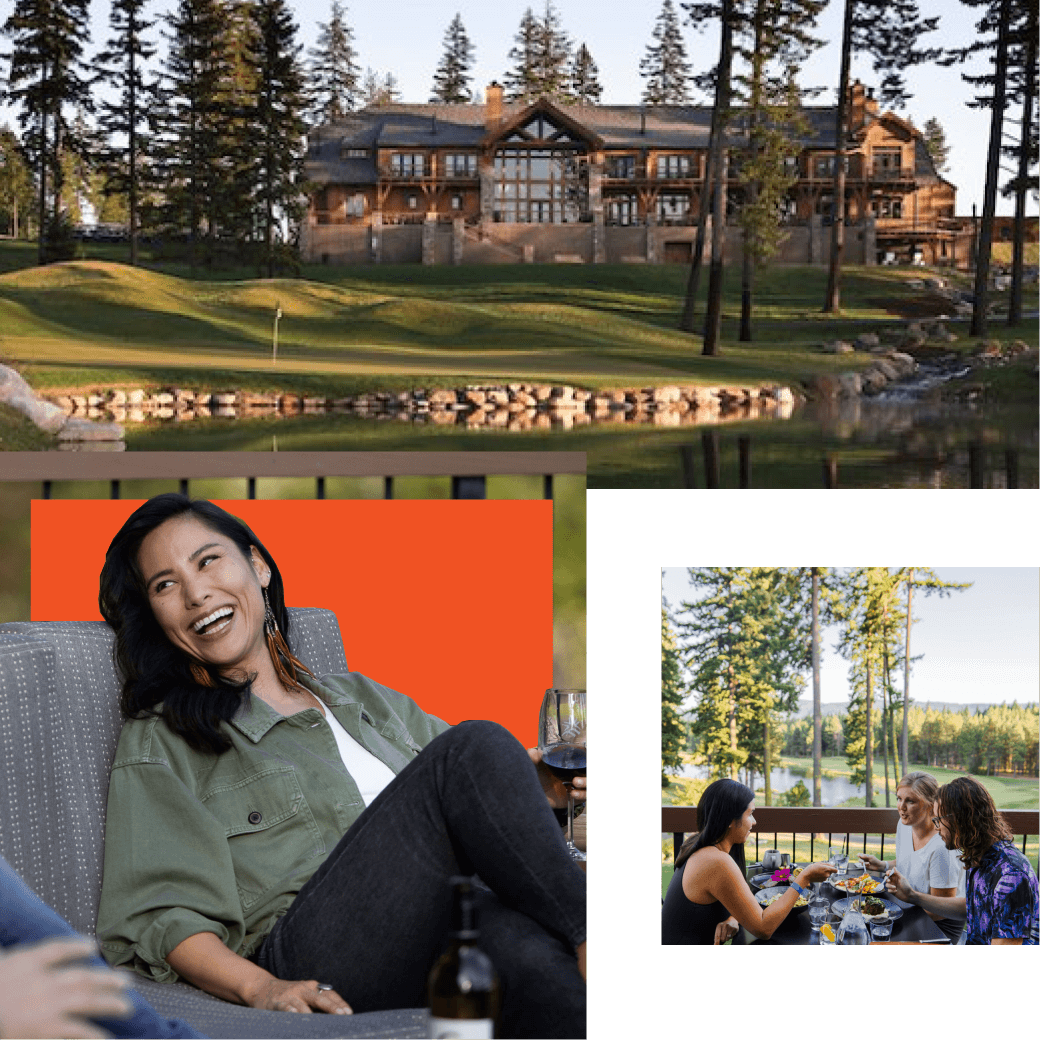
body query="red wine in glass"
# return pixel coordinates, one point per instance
(561, 740)
(566, 761)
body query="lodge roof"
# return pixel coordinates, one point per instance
(464, 126)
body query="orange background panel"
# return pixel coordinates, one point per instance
(449, 602)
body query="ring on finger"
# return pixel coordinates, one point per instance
(324, 986)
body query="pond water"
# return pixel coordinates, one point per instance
(860, 444)
(833, 791)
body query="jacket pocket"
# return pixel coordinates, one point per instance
(270, 829)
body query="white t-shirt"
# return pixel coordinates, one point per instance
(370, 774)
(932, 866)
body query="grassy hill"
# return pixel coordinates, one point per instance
(95, 322)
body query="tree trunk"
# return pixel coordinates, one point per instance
(1018, 245)
(832, 303)
(868, 750)
(766, 764)
(817, 744)
(747, 276)
(905, 735)
(884, 728)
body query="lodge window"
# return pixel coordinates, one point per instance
(456, 201)
(356, 206)
(673, 207)
(621, 167)
(891, 209)
(887, 162)
(460, 165)
(408, 164)
(823, 165)
(355, 153)
(413, 201)
(670, 166)
(622, 209)
(540, 186)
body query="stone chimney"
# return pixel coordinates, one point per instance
(493, 105)
(863, 106)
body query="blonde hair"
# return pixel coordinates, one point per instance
(921, 784)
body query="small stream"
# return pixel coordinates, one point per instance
(931, 375)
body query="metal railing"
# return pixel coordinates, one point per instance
(468, 470)
(829, 821)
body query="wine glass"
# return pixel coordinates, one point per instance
(561, 740)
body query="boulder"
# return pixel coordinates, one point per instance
(887, 368)
(851, 385)
(84, 430)
(838, 347)
(867, 342)
(14, 391)
(825, 386)
(873, 381)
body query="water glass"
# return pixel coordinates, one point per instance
(834, 921)
(839, 858)
(882, 929)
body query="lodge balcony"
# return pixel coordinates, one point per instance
(810, 831)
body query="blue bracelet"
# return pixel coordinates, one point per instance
(798, 889)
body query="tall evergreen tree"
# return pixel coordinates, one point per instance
(451, 81)
(279, 126)
(16, 185)
(938, 148)
(746, 650)
(673, 690)
(335, 78)
(664, 67)
(48, 82)
(541, 59)
(192, 142)
(889, 31)
(585, 86)
(775, 42)
(520, 82)
(1006, 34)
(125, 118)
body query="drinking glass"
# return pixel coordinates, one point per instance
(853, 929)
(881, 929)
(834, 921)
(839, 858)
(819, 907)
(561, 740)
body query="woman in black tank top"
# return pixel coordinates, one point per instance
(682, 920)
(725, 818)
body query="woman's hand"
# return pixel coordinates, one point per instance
(555, 790)
(297, 996)
(815, 873)
(726, 930)
(872, 863)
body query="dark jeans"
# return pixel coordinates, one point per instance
(373, 918)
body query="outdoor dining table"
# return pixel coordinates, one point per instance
(914, 926)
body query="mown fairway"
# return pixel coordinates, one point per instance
(98, 323)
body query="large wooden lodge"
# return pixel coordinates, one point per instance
(508, 182)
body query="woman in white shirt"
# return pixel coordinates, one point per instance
(921, 854)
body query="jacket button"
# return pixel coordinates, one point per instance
(255, 817)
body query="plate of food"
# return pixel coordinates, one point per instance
(857, 884)
(871, 907)
(769, 896)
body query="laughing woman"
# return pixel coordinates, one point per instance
(708, 898)
(268, 829)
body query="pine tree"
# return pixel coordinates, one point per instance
(541, 59)
(16, 184)
(585, 86)
(278, 126)
(773, 47)
(746, 650)
(890, 32)
(673, 690)
(938, 149)
(125, 117)
(47, 81)
(451, 81)
(520, 82)
(191, 140)
(665, 68)
(335, 79)
(379, 89)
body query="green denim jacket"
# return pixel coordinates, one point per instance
(202, 843)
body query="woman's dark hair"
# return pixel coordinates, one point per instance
(720, 805)
(977, 823)
(154, 672)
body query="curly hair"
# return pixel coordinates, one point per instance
(977, 823)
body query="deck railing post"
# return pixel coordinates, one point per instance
(113, 492)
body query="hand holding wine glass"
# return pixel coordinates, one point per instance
(561, 742)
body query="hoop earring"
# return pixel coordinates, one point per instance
(285, 662)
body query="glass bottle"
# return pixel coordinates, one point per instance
(853, 928)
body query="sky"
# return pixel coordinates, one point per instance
(978, 644)
(405, 37)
